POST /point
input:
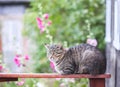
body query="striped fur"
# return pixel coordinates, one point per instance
(80, 59)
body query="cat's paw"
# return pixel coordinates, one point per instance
(63, 73)
(84, 70)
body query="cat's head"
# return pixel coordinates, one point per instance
(54, 52)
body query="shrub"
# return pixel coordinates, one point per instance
(73, 22)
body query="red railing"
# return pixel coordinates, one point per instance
(94, 81)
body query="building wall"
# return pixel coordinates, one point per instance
(11, 21)
(118, 69)
(113, 42)
(0, 45)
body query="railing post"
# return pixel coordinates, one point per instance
(97, 82)
(8, 79)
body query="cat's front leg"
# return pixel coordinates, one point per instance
(68, 70)
(58, 70)
(83, 70)
(65, 70)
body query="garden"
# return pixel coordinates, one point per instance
(66, 22)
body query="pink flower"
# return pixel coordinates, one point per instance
(52, 66)
(39, 20)
(49, 23)
(40, 24)
(17, 61)
(17, 55)
(46, 16)
(27, 57)
(20, 83)
(92, 42)
(1, 67)
(62, 85)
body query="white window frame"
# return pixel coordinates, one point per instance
(108, 21)
(116, 39)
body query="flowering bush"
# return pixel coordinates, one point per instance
(73, 22)
(92, 42)
(52, 66)
(21, 60)
(3, 67)
(21, 82)
(42, 24)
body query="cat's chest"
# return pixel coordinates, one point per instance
(58, 69)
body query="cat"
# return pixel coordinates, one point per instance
(79, 59)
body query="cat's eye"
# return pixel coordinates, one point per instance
(50, 52)
(60, 48)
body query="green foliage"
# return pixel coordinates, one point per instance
(70, 22)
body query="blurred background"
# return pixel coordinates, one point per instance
(72, 22)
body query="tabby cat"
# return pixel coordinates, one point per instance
(79, 59)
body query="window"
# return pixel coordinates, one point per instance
(116, 39)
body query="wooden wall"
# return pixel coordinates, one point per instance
(113, 42)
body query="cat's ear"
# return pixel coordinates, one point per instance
(47, 46)
(60, 45)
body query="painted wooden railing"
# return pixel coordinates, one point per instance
(94, 81)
